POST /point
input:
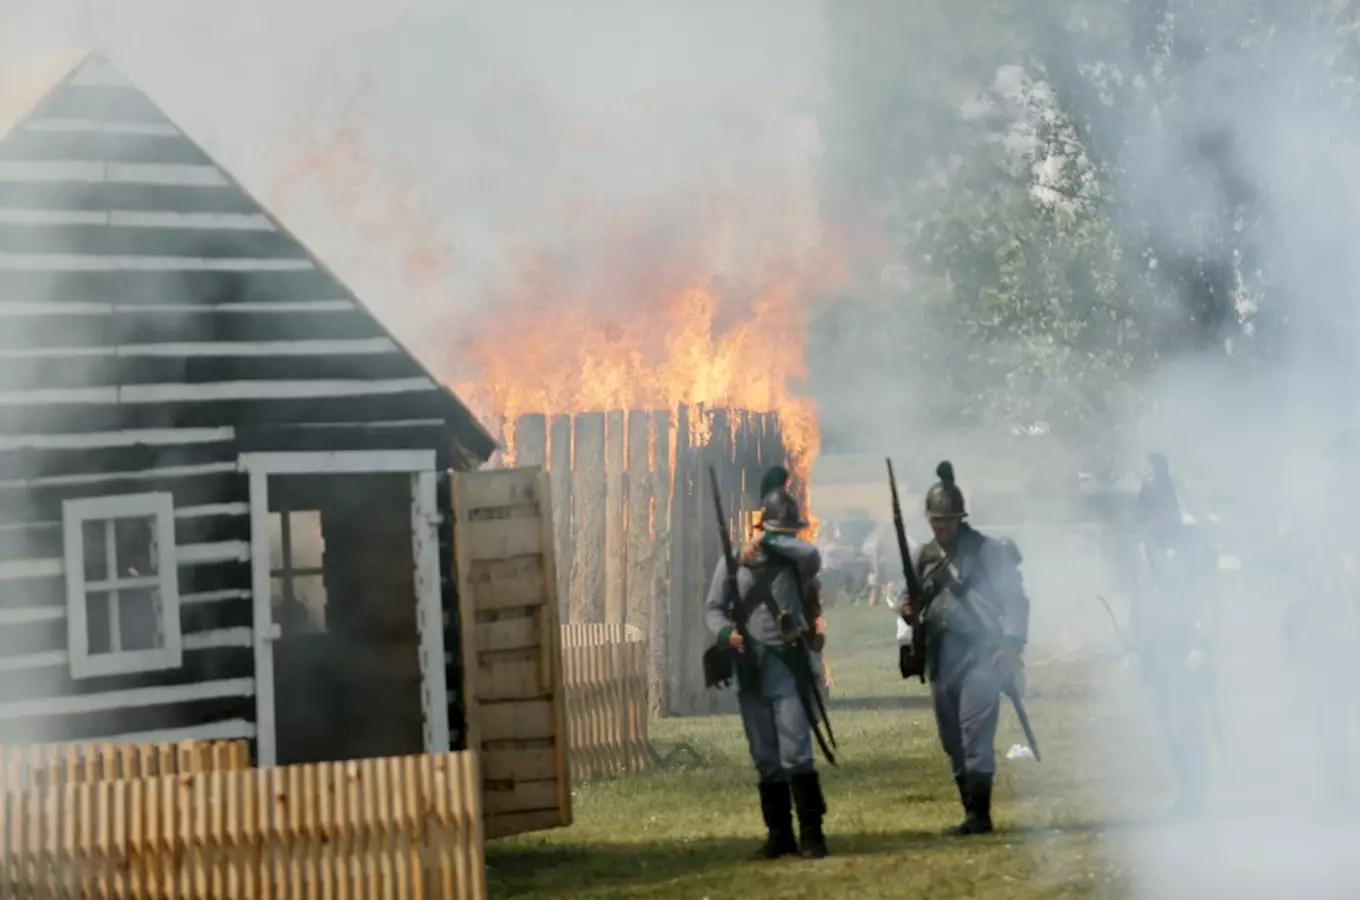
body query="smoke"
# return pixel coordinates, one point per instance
(425, 149)
(1187, 171)
(1249, 185)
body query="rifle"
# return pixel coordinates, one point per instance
(911, 659)
(808, 694)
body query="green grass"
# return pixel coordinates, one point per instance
(686, 828)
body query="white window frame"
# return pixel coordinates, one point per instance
(160, 507)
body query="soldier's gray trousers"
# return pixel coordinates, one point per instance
(777, 729)
(967, 694)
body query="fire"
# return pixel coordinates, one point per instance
(337, 177)
(638, 324)
(633, 315)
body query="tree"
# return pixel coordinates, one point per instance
(1078, 192)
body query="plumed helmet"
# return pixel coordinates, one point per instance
(944, 500)
(779, 513)
(775, 478)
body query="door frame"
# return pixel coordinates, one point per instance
(425, 519)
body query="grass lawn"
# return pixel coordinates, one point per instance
(685, 829)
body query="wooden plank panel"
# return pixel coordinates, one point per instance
(615, 541)
(507, 634)
(638, 582)
(506, 583)
(99, 146)
(517, 721)
(524, 796)
(114, 240)
(105, 102)
(509, 680)
(559, 469)
(510, 638)
(658, 623)
(152, 287)
(531, 441)
(495, 489)
(502, 538)
(532, 764)
(381, 828)
(681, 571)
(588, 492)
(124, 196)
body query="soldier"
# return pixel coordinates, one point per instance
(773, 683)
(1170, 626)
(976, 621)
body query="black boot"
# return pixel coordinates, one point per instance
(811, 805)
(776, 808)
(977, 804)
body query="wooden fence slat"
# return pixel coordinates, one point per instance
(559, 467)
(386, 828)
(638, 583)
(615, 504)
(682, 541)
(531, 440)
(588, 515)
(660, 564)
(604, 672)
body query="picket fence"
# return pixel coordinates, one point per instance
(199, 826)
(53, 765)
(604, 673)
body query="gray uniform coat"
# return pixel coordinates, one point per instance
(978, 607)
(778, 732)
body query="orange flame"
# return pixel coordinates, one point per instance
(636, 323)
(640, 317)
(339, 171)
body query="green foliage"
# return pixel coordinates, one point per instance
(1054, 179)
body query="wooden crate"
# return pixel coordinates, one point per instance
(507, 586)
(604, 671)
(386, 829)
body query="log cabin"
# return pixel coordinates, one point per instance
(223, 484)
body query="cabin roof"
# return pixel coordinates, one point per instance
(108, 207)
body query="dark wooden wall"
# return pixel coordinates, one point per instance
(158, 323)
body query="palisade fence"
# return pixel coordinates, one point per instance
(386, 829)
(635, 530)
(604, 673)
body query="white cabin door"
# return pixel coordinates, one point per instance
(349, 644)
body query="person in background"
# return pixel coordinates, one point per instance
(1171, 625)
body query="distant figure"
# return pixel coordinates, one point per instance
(976, 621)
(779, 571)
(1171, 628)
